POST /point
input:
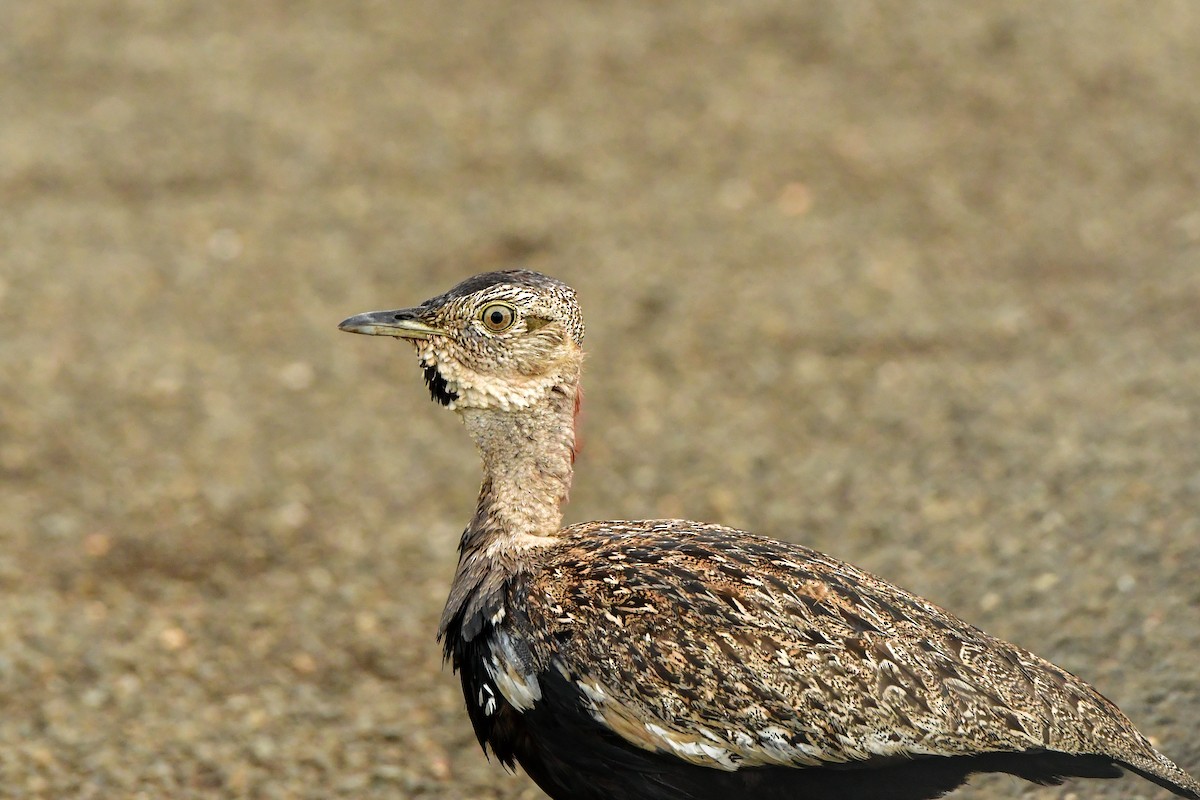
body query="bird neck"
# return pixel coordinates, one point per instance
(528, 461)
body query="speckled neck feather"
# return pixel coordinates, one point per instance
(528, 461)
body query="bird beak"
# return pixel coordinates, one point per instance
(402, 322)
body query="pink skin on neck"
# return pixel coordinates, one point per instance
(578, 446)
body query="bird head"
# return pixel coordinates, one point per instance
(499, 340)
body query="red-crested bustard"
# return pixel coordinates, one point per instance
(677, 660)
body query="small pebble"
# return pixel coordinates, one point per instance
(173, 639)
(297, 376)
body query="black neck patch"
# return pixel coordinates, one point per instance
(438, 387)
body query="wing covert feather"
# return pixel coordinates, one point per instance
(729, 649)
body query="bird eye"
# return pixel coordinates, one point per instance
(498, 317)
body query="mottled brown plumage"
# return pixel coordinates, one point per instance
(672, 659)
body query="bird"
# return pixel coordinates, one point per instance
(678, 660)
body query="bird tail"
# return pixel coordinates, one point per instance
(1157, 768)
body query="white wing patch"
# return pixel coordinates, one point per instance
(727, 750)
(519, 686)
(732, 749)
(486, 699)
(694, 749)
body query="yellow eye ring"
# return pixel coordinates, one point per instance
(498, 317)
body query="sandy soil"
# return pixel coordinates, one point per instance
(915, 285)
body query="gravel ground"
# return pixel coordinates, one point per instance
(913, 284)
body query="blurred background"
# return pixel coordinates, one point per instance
(913, 283)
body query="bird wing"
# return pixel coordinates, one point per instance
(728, 650)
